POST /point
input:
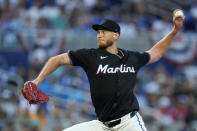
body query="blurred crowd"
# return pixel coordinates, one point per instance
(31, 31)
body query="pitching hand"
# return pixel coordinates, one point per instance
(178, 19)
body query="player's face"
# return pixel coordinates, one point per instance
(105, 38)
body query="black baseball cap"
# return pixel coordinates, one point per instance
(107, 24)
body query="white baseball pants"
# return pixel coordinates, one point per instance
(127, 124)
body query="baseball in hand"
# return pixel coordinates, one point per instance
(178, 18)
(179, 13)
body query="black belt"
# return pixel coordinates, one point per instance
(118, 121)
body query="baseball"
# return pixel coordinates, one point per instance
(179, 13)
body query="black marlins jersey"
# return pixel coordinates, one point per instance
(112, 79)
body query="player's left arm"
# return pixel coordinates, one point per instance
(159, 49)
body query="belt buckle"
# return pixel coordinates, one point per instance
(106, 123)
(113, 123)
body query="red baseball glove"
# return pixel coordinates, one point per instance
(33, 94)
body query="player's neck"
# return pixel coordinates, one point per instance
(112, 49)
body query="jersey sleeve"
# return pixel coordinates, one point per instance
(143, 58)
(79, 57)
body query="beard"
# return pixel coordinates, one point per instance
(104, 44)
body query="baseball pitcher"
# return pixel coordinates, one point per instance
(112, 75)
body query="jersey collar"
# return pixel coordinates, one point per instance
(124, 53)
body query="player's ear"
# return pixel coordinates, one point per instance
(115, 35)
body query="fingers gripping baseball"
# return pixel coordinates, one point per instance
(178, 18)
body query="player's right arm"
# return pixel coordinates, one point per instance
(159, 49)
(51, 65)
